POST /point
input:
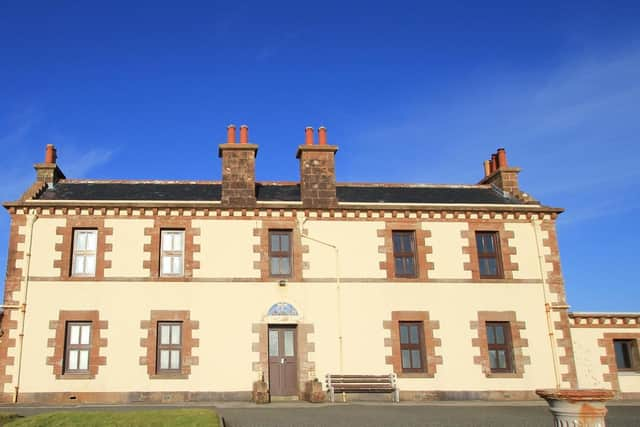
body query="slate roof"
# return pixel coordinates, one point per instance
(356, 193)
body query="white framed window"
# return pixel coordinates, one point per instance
(78, 346)
(85, 246)
(172, 252)
(169, 347)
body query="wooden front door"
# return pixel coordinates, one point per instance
(283, 364)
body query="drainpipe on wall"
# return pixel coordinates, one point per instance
(547, 305)
(31, 219)
(338, 291)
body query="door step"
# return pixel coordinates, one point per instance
(284, 398)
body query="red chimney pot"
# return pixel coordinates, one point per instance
(322, 135)
(50, 155)
(244, 134)
(231, 134)
(308, 135)
(502, 158)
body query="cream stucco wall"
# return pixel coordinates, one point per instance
(226, 313)
(226, 248)
(526, 255)
(127, 252)
(43, 247)
(447, 243)
(590, 368)
(357, 244)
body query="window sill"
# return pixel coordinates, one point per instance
(72, 376)
(415, 374)
(169, 376)
(628, 372)
(504, 375)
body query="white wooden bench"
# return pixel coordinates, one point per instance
(362, 384)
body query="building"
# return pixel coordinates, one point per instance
(123, 291)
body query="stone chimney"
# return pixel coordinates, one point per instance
(238, 169)
(498, 173)
(317, 171)
(49, 172)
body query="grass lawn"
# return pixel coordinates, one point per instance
(179, 417)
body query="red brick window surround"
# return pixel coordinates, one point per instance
(153, 347)
(485, 342)
(296, 248)
(422, 267)
(70, 246)
(154, 248)
(502, 242)
(609, 359)
(427, 344)
(64, 344)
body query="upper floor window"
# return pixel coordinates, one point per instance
(627, 358)
(404, 253)
(172, 252)
(280, 253)
(499, 346)
(85, 245)
(412, 347)
(488, 245)
(77, 347)
(169, 347)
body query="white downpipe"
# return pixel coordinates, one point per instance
(24, 292)
(338, 293)
(547, 305)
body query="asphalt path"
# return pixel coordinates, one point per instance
(463, 414)
(354, 415)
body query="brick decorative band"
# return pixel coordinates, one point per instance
(609, 359)
(306, 367)
(430, 343)
(508, 267)
(58, 342)
(66, 247)
(297, 248)
(153, 248)
(423, 267)
(518, 343)
(149, 344)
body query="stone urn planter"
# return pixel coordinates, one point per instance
(260, 392)
(314, 392)
(580, 408)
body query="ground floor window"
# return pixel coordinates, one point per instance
(499, 346)
(78, 347)
(169, 347)
(412, 346)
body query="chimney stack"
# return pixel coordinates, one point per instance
(238, 169)
(49, 172)
(498, 173)
(317, 171)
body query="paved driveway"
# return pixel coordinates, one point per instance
(354, 415)
(302, 414)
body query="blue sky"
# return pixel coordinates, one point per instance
(410, 91)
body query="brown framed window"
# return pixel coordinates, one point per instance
(412, 349)
(404, 253)
(77, 347)
(171, 252)
(280, 253)
(169, 348)
(499, 346)
(85, 247)
(488, 245)
(627, 358)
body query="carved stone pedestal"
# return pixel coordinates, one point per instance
(314, 392)
(260, 392)
(577, 408)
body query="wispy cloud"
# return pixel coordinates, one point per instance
(572, 129)
(24, 136)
